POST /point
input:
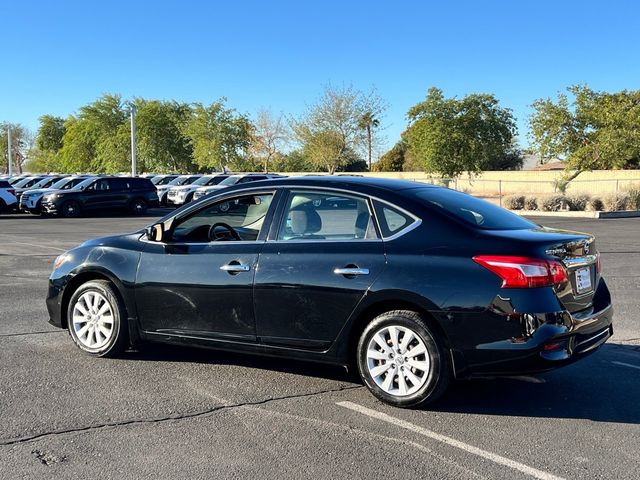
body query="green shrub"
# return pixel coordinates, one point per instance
(530, 203)
(595, 204)
(513, 202)
(552, 203)
(578, 202)
(615, 202)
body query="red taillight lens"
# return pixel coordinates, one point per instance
(524, 272)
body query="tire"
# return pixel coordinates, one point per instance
(92, 333)
(70, 209)
(138, 206)
(425, 376)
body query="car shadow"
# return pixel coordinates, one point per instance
(595, 388)
(175, 353)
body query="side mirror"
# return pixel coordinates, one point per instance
(155, 232)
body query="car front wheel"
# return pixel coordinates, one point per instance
(138, 207)
(96, 319)
(402, 361)
(70, 209)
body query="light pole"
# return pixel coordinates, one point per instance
(9, 155)
(134, 158)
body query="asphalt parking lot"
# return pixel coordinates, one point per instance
(167, 412)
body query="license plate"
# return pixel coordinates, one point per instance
(583, 279)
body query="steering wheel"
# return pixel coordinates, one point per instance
(222, 232)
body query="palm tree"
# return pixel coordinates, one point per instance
(368, 122)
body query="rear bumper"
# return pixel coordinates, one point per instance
(551, 340)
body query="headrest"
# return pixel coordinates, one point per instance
(305, 220)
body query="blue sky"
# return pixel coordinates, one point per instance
(57, 56)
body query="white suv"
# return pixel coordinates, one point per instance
(8, 199)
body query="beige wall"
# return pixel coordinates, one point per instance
(530, 181)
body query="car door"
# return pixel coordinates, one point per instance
(191, 285)
(315, 268)
(96, 196)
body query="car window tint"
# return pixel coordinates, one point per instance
(326, 216)
(4, 184)
(245, 214)
(471, 210)
(118, 184)
(391, 219)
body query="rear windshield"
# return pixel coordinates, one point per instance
(471, 210)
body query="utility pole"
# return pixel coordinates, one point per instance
(133, 141)
(9, 156)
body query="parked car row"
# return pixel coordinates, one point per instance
(74, 195)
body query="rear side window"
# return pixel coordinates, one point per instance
(117, 184)
(471, 210)
(392, 220)
(322, 216)
(4, 184)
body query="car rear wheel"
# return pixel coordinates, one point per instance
(70, 209)
(96, 319)
(138, 207)
(402, 361)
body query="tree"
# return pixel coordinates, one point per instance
(450, 136)
(294, 161)
(162, 143)
(393, 160)
(270, 134)
(328, 130)
(219, 136)
(21, 142)
(98, 138)
(593, 130)
(50, 133)
(368, 122)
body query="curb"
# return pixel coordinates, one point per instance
(567, 214)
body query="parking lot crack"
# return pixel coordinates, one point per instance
(169, 418)
(22, 334)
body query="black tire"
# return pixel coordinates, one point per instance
(70, 209)
(437, 376)
(119, 339)
(138, 206)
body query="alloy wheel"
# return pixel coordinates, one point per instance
(397, 360)
(93, 320)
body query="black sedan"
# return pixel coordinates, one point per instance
(413, 285)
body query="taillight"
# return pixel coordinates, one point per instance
(12, 191)
(524, 272)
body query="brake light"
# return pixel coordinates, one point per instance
(524, 272)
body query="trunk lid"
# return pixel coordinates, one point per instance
(576, 251)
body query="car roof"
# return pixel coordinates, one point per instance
(344, 182)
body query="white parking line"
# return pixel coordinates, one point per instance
(626, 364)
(534, 472)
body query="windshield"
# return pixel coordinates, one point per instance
(25, 182)
(162, 180)
(230, 180)
(67, 183)
(471, 210)
(45, 182)
(180, 181)
(84, 184)
(202, 181)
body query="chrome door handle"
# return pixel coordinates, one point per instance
(235, 268)
(351, 271)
